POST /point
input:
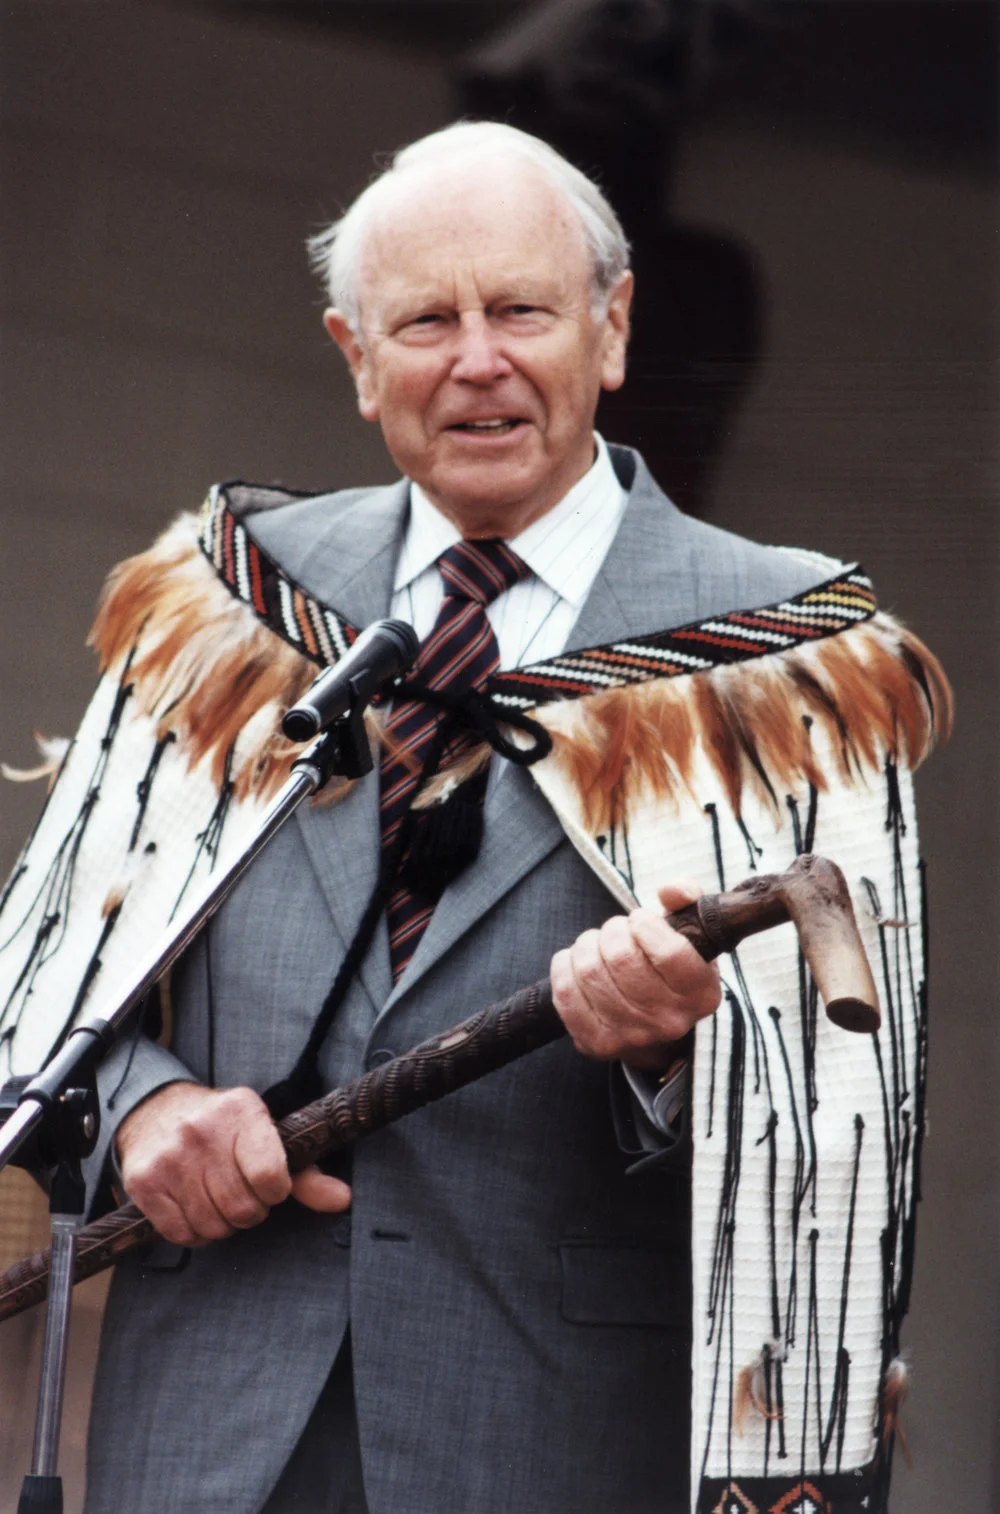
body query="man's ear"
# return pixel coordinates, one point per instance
(340, 331)
(616, 333)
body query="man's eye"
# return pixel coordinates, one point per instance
(521, 309)
(427, 319)
(429, 323)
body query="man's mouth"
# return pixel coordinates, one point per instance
(500, 426)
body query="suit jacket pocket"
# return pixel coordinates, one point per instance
(604, 1283)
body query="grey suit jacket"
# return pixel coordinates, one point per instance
(519, 1304)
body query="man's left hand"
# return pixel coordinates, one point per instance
(632, 988)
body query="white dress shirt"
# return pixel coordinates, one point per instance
(564, 549)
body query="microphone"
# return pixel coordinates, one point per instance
(380, 653)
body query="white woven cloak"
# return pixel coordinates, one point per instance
(806, 1137)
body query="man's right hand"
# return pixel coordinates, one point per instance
(203, 1162)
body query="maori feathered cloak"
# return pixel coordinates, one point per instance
(706, 752)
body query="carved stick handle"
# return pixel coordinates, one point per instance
(812, 891)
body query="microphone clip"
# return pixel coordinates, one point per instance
(336, 701)
(343, 749)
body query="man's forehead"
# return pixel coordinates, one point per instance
(448, 276)
(502, 224)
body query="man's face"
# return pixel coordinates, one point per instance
(480, 353)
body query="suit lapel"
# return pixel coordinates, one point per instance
(648, 580)
(347, 561)
(343, 843)
(342, 549)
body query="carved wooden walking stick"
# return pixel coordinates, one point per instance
(812, 893)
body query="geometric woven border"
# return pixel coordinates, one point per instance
(735, 637)
(859, 1492)
(324, 635)
(245, 568)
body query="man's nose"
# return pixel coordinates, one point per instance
(479, 358)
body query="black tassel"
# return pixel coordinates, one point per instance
(444, 839)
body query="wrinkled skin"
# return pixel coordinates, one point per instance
(477, 306)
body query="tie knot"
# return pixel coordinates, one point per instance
(480, 570)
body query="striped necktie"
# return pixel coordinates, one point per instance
(459, 654)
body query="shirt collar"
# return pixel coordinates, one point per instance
(428, 534)
(543, 545)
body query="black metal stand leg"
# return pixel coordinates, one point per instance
(41, 1490)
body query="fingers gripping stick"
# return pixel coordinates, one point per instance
(812, 894)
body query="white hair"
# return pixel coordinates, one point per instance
(336, 252)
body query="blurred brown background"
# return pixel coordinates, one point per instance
(811, 188)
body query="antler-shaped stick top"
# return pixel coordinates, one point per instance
(812, 893)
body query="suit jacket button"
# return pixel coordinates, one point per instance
(378, 1056)
(342, 1231)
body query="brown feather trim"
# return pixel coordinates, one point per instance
(750, 1395)
(205, 666)
(208, 669)
(895, 1388)
(874, 689)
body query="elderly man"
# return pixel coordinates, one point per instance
(495, 1314)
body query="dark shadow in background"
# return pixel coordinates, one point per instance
(613, 83)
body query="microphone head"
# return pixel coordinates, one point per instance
(382, 651)
(405, 638)
(300, 724)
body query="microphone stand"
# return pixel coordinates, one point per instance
(56, 1115)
